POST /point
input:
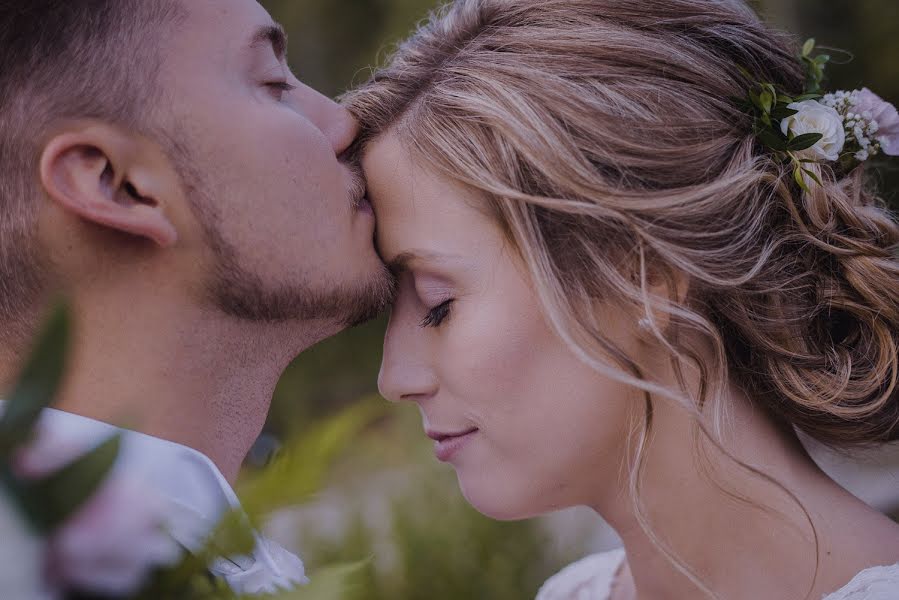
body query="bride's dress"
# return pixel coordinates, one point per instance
(591, 579)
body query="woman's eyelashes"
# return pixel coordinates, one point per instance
(437, 315)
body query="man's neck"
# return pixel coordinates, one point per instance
(181, 373)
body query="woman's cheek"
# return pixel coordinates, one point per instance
(491, 354)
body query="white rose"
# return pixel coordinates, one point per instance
(814, 117)
(21, 557)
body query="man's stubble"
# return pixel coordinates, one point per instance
(241, 293)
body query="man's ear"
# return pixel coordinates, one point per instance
(112, 179)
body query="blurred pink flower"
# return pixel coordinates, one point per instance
(114, 541)
(886, 116)
(21, 557)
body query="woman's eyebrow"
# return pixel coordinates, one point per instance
(402, 261)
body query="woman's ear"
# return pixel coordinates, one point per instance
(669, 285)
(112, 179)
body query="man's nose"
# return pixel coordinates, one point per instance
(333, 120)
(344, 130)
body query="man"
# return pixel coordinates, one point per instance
(162, 168)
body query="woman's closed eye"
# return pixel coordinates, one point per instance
(437, 315)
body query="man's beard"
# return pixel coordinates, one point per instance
(243, 294)
(240, 293)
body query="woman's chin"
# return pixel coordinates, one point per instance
(496, 502)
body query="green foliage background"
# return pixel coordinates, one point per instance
(444, 549)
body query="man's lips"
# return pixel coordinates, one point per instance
(363, 205)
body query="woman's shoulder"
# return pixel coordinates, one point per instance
(876, 583)
(590, 578)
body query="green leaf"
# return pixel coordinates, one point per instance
(781, 112)
(756, 100)
(232, 536)
(804, 141)
(767, 101)
(797, 175)
(784, 99)
(823, 59)
(745, 72)
(743, 104)
(805, 97)
(814, 176)
(772, 140)
(339, 582)
(50, 501)
(38, 384)
(298, 471)
(808, 47)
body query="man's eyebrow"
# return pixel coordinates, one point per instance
(273, 35)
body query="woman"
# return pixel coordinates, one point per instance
(616, 291)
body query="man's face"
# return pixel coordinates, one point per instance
(283, 216)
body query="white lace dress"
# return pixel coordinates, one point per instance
(591, 579)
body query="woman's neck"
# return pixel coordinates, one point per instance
(741, 516)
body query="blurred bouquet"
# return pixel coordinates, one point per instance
(73, 527)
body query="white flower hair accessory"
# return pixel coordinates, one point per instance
(843, 128)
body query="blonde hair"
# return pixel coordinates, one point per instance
(605, 138)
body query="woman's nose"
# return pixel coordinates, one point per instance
(405, 372)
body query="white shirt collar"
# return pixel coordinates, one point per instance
(197, 494)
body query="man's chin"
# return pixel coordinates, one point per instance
(246, 297)
(373, 298)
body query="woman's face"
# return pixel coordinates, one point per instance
(527, 426)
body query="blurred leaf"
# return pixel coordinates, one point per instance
(299, 470)
(340, 582)
(233, 536)
(38, 384)
(50, 501)
(808, 47)
(188, 580)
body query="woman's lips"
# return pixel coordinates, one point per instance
(447, 445)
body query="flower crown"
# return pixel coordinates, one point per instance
(842, 128)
